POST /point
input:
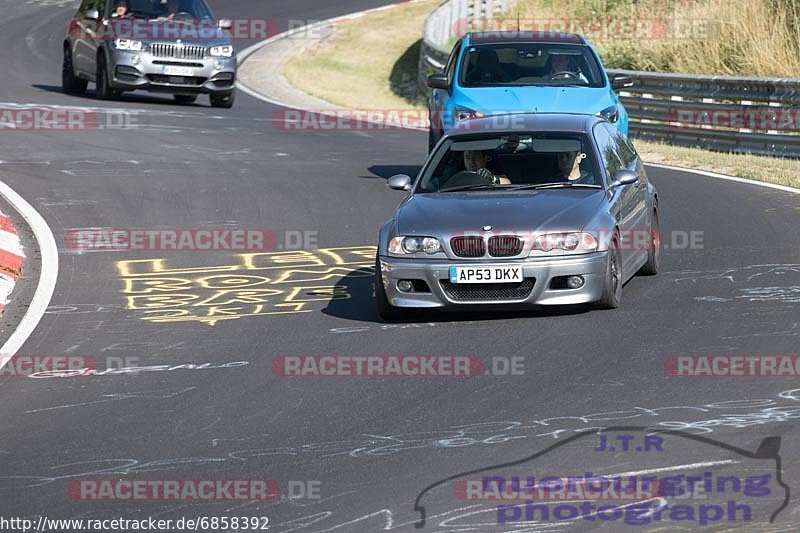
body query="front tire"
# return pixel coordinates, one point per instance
(224, 100)
(387, 311)
(653, 264)
(69, 82)
(104, 91)
(612, 288)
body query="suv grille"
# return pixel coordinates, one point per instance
(488, 291)
(468, 246)
(177, 51)
(505, 246)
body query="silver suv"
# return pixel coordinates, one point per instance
(171, 46)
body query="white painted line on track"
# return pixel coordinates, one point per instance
(784, 188)
(47, 276)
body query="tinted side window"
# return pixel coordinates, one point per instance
(607, 144)
(450, 69)
(626, 152)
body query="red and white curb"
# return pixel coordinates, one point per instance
(12, 257)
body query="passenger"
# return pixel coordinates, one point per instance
(569, 163)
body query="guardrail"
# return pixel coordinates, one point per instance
(440, 28)
(723, 113)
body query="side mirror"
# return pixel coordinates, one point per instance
(92, 14)
(624, 177)
(621, 81)
(224, 24)
(438, 81)
(399, 182)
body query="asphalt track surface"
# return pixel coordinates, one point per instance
(373, 444)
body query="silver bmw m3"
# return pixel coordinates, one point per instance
(516, 211)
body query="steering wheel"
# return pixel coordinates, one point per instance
(565, 74)
(466, 178)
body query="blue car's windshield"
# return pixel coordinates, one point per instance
(509, 161)
(534, 64)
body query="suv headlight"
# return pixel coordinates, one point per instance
(414, 245)
(565, 243)
(221, 51)
(128, 44)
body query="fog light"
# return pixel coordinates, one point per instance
(575, 282)
(405, 285)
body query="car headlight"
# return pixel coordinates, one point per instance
(414, 245)
(464, 113)
(128, 44)
(221, 51)
(611, 114)
(572, 242)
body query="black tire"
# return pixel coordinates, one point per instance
(612, 288)
(185, 98)
(387, 311)
(104, 91)
(653, 264)
(69, 82)
(224, 100)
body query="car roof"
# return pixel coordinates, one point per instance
(525, 36)
(527, 122)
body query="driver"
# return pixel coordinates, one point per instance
(120, 9)
(476, 161)
(173, 8)
(569, 164)
(561, 68)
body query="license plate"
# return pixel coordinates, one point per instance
(177, 71)
(486, 274)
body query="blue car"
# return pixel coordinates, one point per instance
(503, 73)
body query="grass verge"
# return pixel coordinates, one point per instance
(361, 68)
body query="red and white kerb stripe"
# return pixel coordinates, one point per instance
(11, 259)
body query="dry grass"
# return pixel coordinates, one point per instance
(729, 37)
(368, 62)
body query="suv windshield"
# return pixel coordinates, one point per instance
(511, 161)
(160, 9)
(534, 64)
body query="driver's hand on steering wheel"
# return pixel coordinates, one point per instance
(486, 174)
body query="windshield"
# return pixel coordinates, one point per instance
(160, 9)
(530, 64)
(511, 161)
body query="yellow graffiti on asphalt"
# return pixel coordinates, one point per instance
(257, 284)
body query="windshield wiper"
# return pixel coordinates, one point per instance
(555, 185)
(469, 187)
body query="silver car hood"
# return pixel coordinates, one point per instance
(456, 212)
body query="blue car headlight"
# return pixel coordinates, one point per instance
(611, 114)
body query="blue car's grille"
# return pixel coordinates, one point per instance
(468, 246)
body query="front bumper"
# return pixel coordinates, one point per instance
(131, 71)
(540, 272)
